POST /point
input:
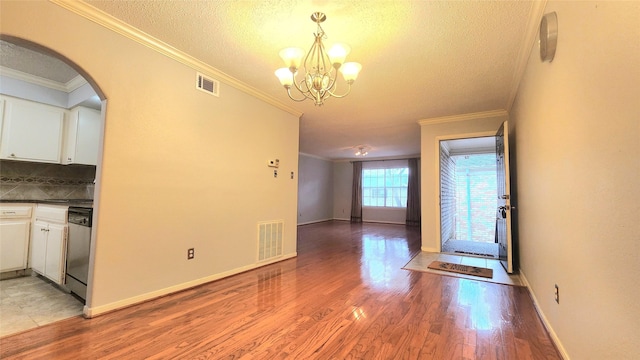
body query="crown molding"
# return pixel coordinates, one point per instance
(528, 41)
(40, 81)
(314, 156)
(75, 83)
(463, 117)
(101, 18)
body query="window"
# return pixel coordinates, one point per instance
(385, 187)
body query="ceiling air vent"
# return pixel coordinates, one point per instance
(207, 85)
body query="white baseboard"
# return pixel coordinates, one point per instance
(545, 322)
(314, 221)
(90, 312)
(384, 222)
(429, 249)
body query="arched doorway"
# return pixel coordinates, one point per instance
(33, 73)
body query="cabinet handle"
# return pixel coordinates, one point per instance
(12, 155)
(8, 213)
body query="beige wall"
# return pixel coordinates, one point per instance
(315, 189)
(577, 125)
(432, 131)
(180, 168)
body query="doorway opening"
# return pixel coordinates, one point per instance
(468, 197)
(40, 76)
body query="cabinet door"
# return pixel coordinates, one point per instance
(31, 131)
(83, 129)
(14, 244)
(56, 250)
(38, 247)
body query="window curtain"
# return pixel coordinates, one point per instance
(413, 194)
(356, 193)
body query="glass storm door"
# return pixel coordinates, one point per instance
(503, 213)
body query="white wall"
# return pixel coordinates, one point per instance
(576, 121)
(315, 189)
(180, 168)
(432, 131)
(24, 90)
(342, 185)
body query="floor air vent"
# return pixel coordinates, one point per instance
(207, 85)
(270, 240)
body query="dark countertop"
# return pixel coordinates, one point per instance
(87, 203)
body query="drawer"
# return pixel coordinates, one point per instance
(52, 213)
(15, 211)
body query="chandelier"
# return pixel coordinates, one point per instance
(362, 151)
(320, 68)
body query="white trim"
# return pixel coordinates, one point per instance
(463, 117)
(529, 39)
(315, 221)
(90, 312)
(101, 18)
(545, 322)
(75, 83)
(315, 156)
(383, 222)
(342, 219)
(67, 87)
(429, 249)
(438, 139)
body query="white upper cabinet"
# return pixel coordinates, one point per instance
(31, 131)
(82, 135)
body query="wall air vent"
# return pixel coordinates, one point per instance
(270, 239)
(207, 85)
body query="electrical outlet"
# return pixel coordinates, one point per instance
(557, 294)
(191, 253)
(275, 173)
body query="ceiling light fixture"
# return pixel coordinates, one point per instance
(362, 151)
(320, 68)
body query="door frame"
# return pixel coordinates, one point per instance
(437, 182)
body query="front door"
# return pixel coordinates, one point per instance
(503, 214)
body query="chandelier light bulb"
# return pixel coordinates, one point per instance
(286, 77)
(338, 53)
(292, 57)
(350, 71)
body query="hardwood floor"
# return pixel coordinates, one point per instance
(344, 297)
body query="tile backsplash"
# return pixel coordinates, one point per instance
(37, 181)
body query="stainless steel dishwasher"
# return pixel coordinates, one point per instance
(78, 246)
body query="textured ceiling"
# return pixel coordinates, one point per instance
(421, 59)
(34, 63)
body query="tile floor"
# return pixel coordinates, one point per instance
(31, 301)
(421, 261)
(470, 248)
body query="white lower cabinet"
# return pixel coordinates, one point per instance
(15, 223)
(48, 247)
(14, 244)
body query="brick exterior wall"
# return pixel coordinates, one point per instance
(447, 196)
(476, 175)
